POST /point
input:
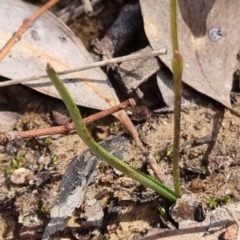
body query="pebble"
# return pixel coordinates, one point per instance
(21, 175)
(117, 172)
(41, 159)
(228, 191)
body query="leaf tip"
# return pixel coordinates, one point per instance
(48, 67)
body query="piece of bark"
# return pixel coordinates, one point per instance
(93, 210)
(78, 176)
(165, 84)
(132, 74)
(71, 191)
(187, 208)
(126, 25)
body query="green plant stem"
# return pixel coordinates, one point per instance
(97, 149)
(173, 21)
(177, 68)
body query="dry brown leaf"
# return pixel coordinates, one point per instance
(209, 58)
(49, 40)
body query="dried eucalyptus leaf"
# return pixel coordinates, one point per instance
(51, 41)
(208, 41)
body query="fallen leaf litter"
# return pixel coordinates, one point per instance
(212, 164)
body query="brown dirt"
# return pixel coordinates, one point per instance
(208, 170)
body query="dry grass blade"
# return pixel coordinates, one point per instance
(92, 65)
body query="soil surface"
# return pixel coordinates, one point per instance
(209, 164)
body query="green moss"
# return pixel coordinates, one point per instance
(162, 211)
(48, 141)
(157, 156)
(15, 164)
(170, 151)
(214, 202)
(42, 209)
(54, 160)
(227, 199)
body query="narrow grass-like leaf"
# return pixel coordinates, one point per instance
(97, 149)
(177, 68)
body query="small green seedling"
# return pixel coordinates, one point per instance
(95, 148)
(148, 181)
(54, 160)
(227, 199)
(214, 202)
(15, 164)
(177, 69)
(157, 156)
(42, 209)
(48, 141)
(170, 151)
(162, 211)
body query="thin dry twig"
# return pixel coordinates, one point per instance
(64, 129)
(27, 23)
(92, 65)
(155, 168)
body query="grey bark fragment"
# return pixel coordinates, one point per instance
(187, 208)
(78, 176)
(132, 74)
(71, 191)
(165, 85)
(93, 213)
(126, 25)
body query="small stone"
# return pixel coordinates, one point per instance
(21, 175)
(117, 172)
(41, 159)
(164, 123)
(228, 191)
(91, 202)
(187, 208)
(93, 216)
